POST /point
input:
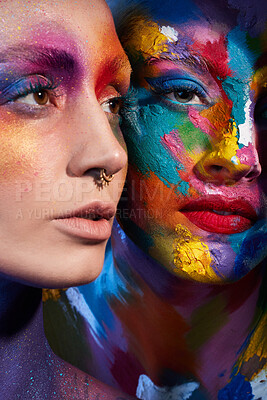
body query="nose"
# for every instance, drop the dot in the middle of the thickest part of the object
(98, 142)
(225, 163)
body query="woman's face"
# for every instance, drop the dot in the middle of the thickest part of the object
(193, 201)
(62, 69)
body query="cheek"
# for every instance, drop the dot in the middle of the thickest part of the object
(158, 141)
(115, 127)
(19, 151)
(32, 150)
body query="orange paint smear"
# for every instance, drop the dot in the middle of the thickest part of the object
(149, 189)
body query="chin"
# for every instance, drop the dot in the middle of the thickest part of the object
(58, 269)
(77, 271)
(213, 259)
(236, 255)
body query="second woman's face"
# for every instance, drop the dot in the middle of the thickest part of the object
(193, 200)
(62, 70)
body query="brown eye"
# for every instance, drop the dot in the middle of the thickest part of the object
(112, 106)
(115, 105)
(41, 97)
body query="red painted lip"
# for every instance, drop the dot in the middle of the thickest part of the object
(92, 222)
(206, 214)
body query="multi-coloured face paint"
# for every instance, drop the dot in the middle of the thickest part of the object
(193, 203)
(60, 84)
(193, 160)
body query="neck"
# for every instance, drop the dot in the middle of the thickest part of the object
(22, 342)
(20, 309)
(199, 323)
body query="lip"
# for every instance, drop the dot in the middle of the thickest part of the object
(82, 223)
(205, 213)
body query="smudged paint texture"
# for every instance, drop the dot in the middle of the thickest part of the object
(190, 135)
(163, 312)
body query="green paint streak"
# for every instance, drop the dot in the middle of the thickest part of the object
(192, 136)
(206, 321)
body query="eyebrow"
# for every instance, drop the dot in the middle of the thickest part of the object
(39, 56)
(189, 60)
(116, 65)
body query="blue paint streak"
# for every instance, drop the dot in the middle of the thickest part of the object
(143, 129)
(173, 11)
(93, 294)
(241, 60)
(241, 57)
(237, 389)
(249, 253)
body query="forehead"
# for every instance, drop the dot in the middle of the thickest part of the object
(204, 19)
(196, 37)
(84, 29)
(250, 14)
(69, 24)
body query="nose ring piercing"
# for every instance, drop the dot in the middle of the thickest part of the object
(104, 178)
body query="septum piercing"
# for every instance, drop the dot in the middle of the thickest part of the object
(104, 178)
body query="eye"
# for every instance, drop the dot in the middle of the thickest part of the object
(113, 105)
(184, 96)
(40, 98)
(179, 91)
(34, 91)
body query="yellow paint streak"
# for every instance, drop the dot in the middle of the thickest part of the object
(224, 152)
(146, 39)
(228, 146)
(225, 130)
(259, 81)
(257, 347)
(192, 256)
(52, 294)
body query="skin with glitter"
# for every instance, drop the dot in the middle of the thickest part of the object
(62, 75)
(48, 148)
(183, 296)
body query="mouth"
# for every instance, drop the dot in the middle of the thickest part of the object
(220, 215)
(92, 222)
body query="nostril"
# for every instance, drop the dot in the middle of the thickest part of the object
(215, 168)
(250, 176)
(217, 171)
(253, 172)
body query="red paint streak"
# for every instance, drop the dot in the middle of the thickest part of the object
(216, 55)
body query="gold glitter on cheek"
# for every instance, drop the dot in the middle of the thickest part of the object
(192, 256)
(19, 150)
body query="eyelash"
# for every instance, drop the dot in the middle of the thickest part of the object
(126, 102)
(164, 87)
(129, 101)
(38, 83)
(26, 86)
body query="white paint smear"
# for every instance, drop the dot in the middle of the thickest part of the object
(170, 33)
(246, 129)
